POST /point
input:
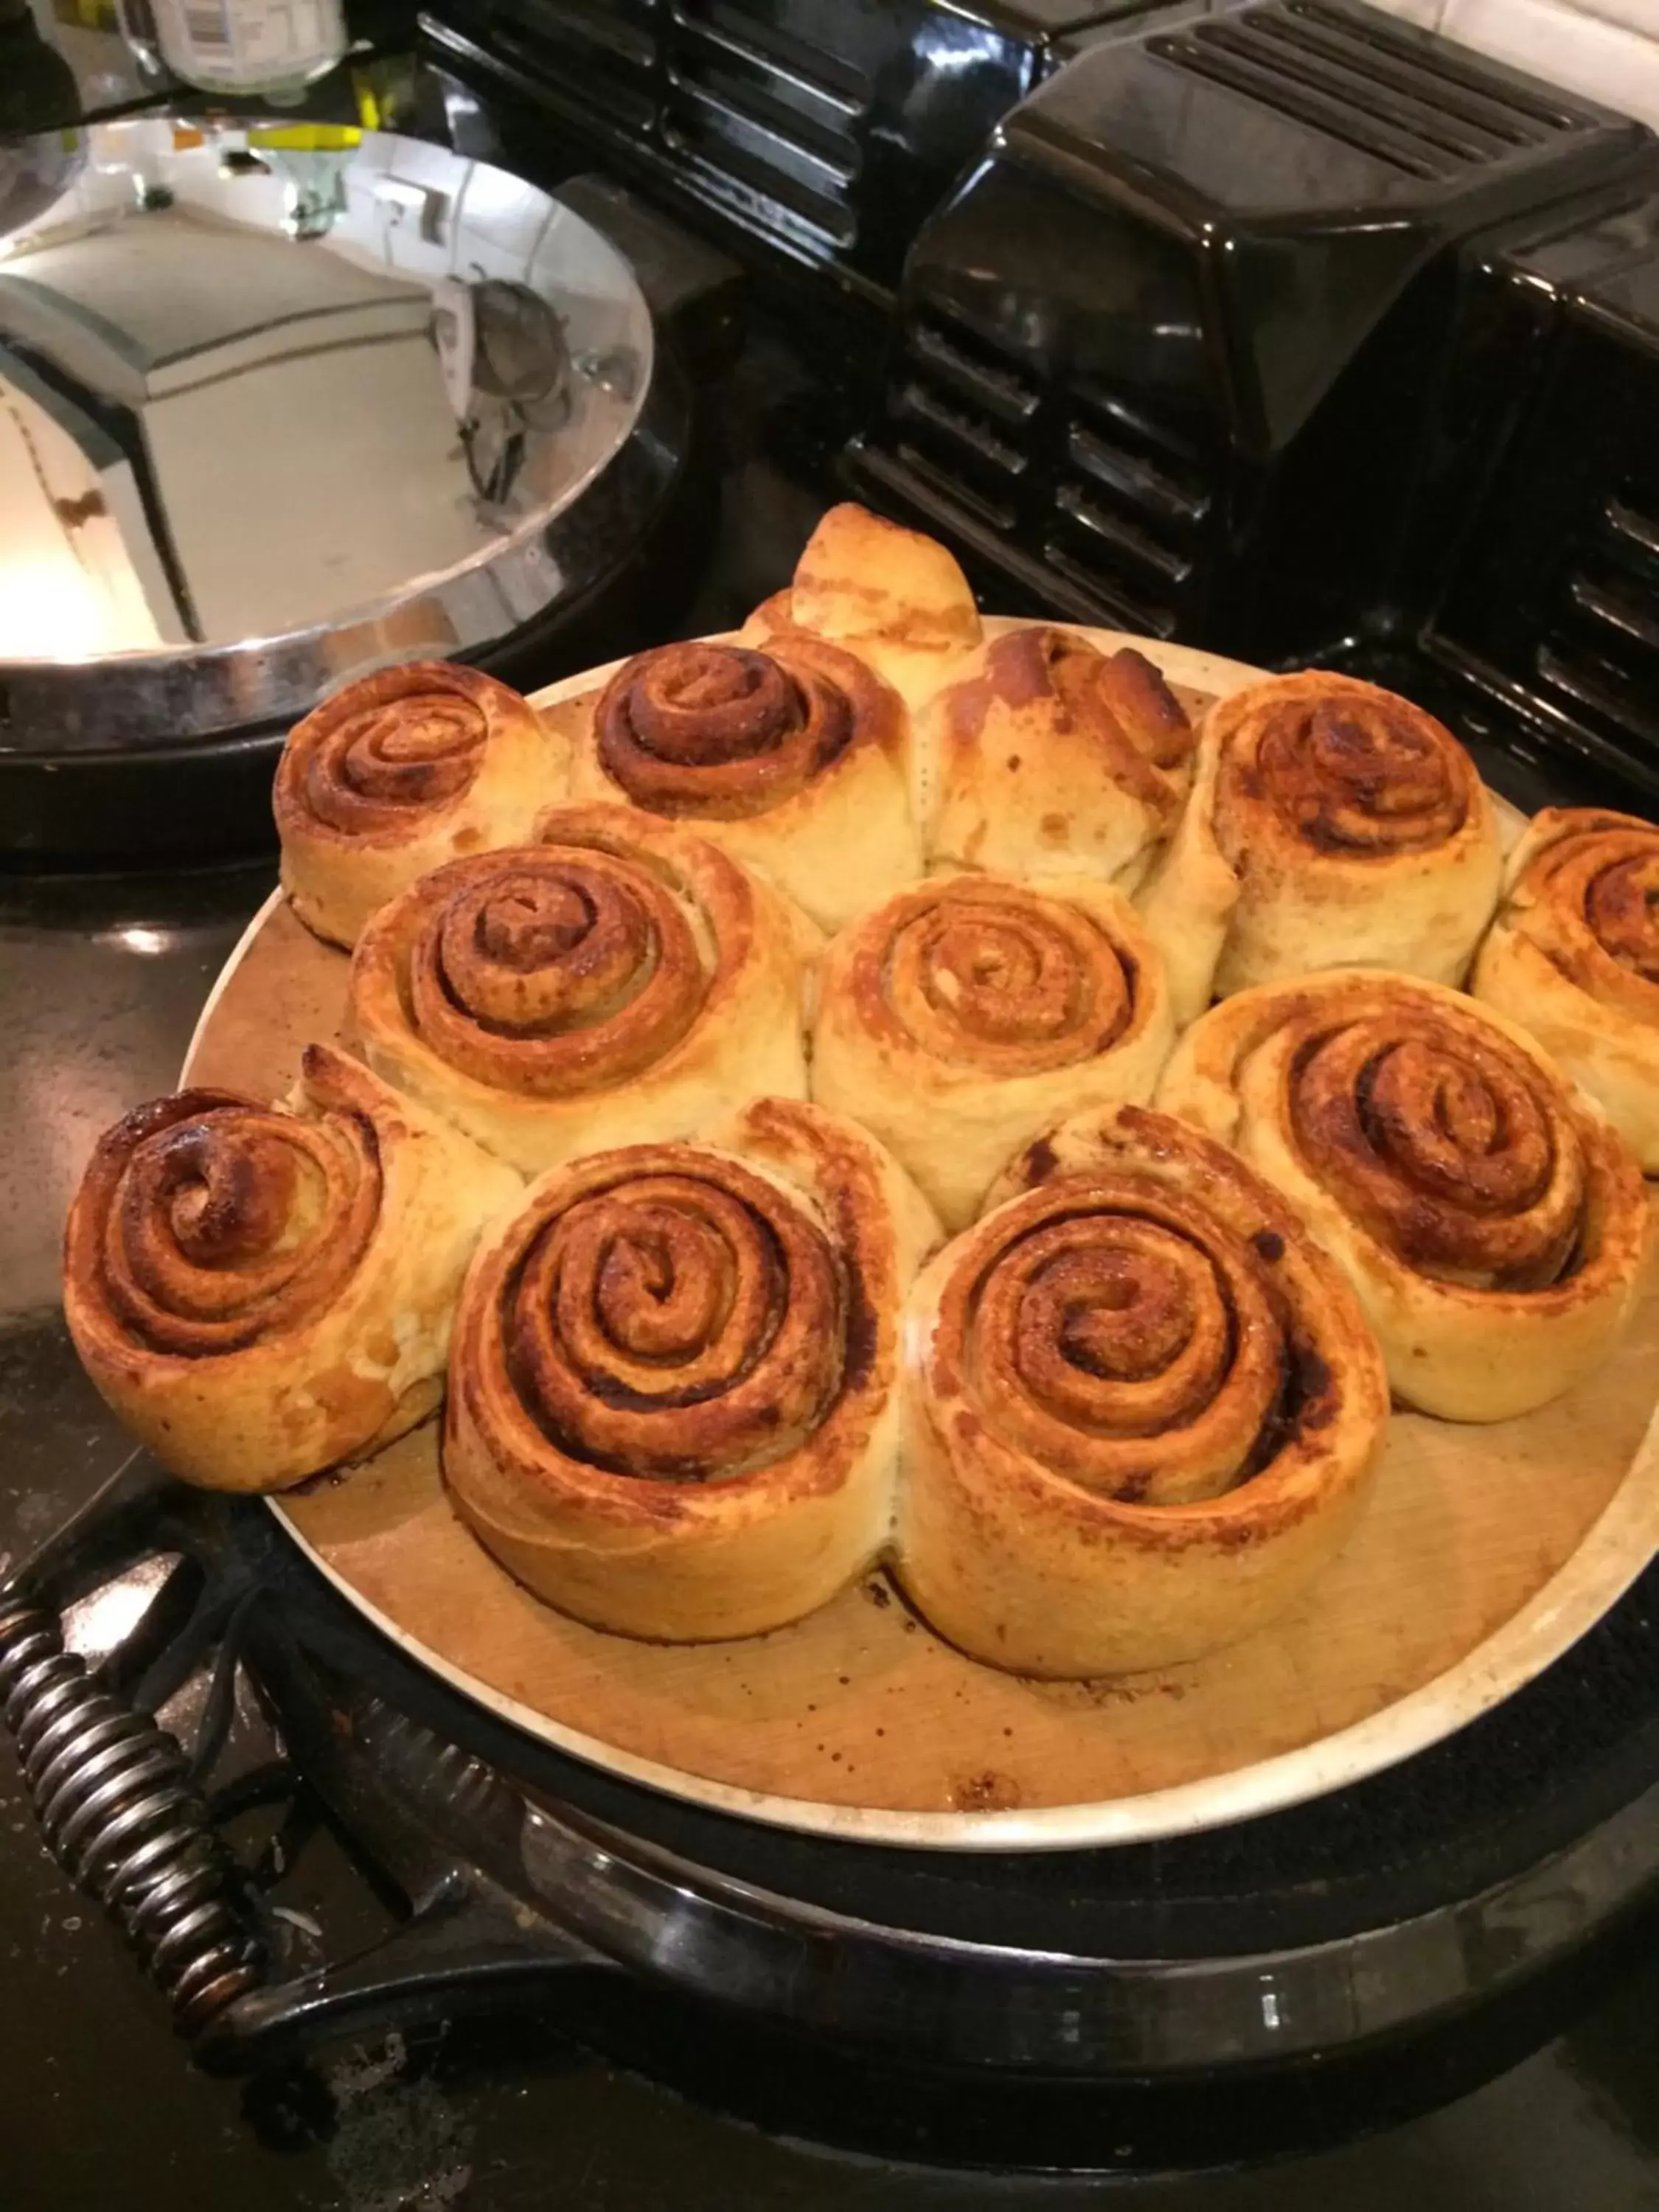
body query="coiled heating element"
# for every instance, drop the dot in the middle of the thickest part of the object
(120, 1814)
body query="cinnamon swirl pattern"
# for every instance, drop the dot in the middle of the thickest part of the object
(1046, 757)
(896, 598)
(260, 1292)
(620, 980)
(673, 1410)
(1573, 956)
(1140, 1407)
(958, 1019)
(1491, 1221)
(398, 773)
(1330, 822)
(793, 759)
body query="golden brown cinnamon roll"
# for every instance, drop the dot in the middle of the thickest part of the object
(673, 1374)
(620, 980)
(1574, 958)
(1330, 822)
(259, 1290)
(896, 598)
(961, 1016)
(1140, 1407)
(1492, 1222)
(398, 773)
(1046, 757)
(793, 759)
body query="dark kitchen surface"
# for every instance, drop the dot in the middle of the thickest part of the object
(100, 979)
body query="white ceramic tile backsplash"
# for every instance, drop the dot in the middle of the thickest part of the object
(1638, 15)
(1608, 49)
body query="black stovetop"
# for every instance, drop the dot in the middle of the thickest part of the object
(99, 982)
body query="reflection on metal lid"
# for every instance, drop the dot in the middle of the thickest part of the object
(257, 382)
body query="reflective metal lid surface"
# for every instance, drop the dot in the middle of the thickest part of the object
(279, 402)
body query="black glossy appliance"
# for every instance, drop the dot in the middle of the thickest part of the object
(1542, 521)
(1167, 358)
(1284, 328)
(819, 131)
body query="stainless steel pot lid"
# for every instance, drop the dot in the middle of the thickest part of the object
(279, 403)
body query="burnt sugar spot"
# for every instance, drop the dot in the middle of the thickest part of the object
(1041, 1161)
(988, 1792)
(1269, 1245)
(1313, 1374)
(863, 1329)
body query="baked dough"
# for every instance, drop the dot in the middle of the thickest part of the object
(397, 773)
(1493, 1221)
(1331, 822)
(260, 1292)
(674, 1410)
(1573, 956)
(896, 598)
(620, 980)
(1046, 757)
(794, 759)
(956, 1019)
(1140, 1407)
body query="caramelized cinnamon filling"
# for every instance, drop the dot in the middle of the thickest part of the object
(1001, 978)
(551, 970)
(685, 1326)
(213, 1222)
(1125, 1340)
(720, 733)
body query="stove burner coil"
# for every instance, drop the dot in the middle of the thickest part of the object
(112, 1791)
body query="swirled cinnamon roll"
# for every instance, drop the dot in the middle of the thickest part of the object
(1330, 822)
(961, 1016)
(1046, 757)
(792, 759)
(673, 1408)
(619, 980)
(1491, 1221)
(896, 598)
(259, 1291)
(1140, 1407)
(1574, 958)
(398, 773)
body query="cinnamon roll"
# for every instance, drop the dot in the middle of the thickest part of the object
(962, 1015)
(672, 1409)
(793, 759)
(1046, 757)
(1491, 1221)
(896, 598)
(619, 980)
(398, 773)
(259, 1291)
(1573, 956)
(1140, 1407)
(1330, 822)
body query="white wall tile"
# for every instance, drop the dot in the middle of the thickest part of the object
(1565, 45)
(1639, 15)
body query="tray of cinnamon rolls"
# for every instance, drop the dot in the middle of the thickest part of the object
(925, 1227)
